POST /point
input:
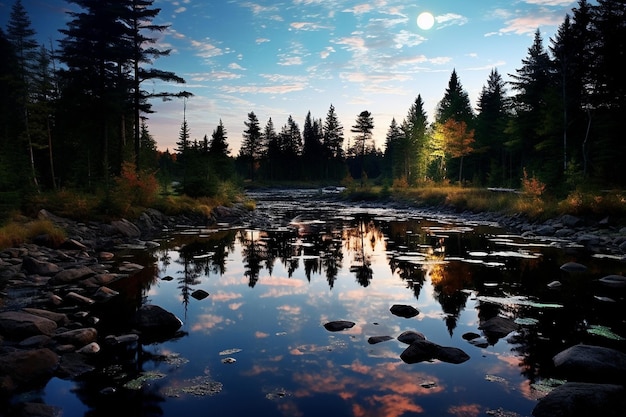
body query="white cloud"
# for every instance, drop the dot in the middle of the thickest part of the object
(206, 49)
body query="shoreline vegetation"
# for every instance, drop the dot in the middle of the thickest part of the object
(21, 225)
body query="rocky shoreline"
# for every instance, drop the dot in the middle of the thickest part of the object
(55, 303)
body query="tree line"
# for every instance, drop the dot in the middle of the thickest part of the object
(73, 114)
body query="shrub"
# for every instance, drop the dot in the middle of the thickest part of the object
(18, 232)
(134, 188)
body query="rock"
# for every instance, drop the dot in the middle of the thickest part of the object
(410, 336)
(78, 337)
(497, 327)
(79, 298)
(59, 318)
(573, 267)
(405, 311)
(378, 339)
(424, 350)
(571, 221)
(153, 321)
(451, 354)
(545, 230)
(70, 275)
(89, 349)
(35, 410)
(72, 244)
(575, 399)
(125, 228)
(200, 294)
(20, 325)
(586, 363)
(38, 267)
(338, 325)
(419, 351)
(74, 365)
(26, 368)
(613, 281)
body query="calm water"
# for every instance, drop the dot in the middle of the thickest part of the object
(256, 344)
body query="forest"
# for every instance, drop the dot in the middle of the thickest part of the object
(74, 115)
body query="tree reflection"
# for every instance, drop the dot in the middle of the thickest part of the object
(361, 240)
(254, 252)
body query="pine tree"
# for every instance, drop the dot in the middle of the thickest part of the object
(363, 130)
(534, 84)
(494, 113)
(251, 149)
(455, 103)
(139, 17)
(218, 145)
(333, 135)
(413, 149)
(21, 35)
(393, 151)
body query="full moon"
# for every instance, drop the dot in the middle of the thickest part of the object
(425, 21)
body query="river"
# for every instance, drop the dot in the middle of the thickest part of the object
(254, 301)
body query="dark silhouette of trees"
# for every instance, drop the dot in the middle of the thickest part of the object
(492, 163)
(71, 123)
(534, 84)
(363, 129)
(251, 148)
(21, 36)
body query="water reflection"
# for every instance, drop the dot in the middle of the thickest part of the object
(272, 289)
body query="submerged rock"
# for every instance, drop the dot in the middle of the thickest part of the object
(576, 399)
(424, 350)
(155, 322)
(338, 325)
(26, 368)
(405, 311)
(585, 363)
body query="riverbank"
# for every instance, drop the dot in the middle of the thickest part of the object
(55, 297)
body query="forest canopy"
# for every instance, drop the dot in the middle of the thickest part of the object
(75, 114)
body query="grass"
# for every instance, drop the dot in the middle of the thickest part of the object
(594, 204)
(22, 230)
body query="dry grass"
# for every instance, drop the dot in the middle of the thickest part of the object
(19, 231)
(533, 205)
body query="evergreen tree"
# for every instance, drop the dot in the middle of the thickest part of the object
(533, 130)
(251, 149)
(272, 150)
(455, 103)
(291, 148)
(95, 84)
(41, 108)
(333, 134)
(21, 35)
(333, 145)
(138, 17)
(393, 151)
(218, 145)
(363, 130)
(312, 150)
(494, 112)
(605, 146)
(413, 148)
(13, 156)
(219, 153)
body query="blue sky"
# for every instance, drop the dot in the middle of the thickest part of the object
(281, 58)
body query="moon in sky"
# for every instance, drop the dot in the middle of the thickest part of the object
(425, 21)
